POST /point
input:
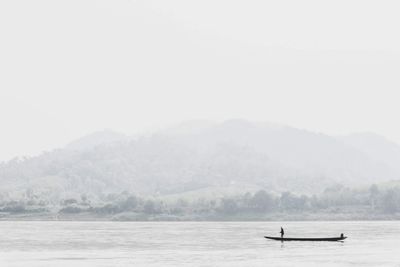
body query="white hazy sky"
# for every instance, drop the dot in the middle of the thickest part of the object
(68, 68)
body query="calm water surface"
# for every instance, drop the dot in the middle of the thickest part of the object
(196, 244)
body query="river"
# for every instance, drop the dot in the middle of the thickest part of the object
(63, 243)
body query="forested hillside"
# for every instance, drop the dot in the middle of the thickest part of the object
(200, 159)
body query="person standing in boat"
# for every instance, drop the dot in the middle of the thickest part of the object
(282, 232)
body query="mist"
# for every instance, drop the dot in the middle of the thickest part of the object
(70, 69)
(199, 133)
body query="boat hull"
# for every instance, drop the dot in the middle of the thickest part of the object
(306, 239)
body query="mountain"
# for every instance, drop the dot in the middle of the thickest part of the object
(235, 155)
(377, 147)
(96, 139)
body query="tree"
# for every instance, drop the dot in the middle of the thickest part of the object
(130, 203)
(391, 201)
(373, 195)
(290, 201)
(108, 209)
(229, 206)
(71, 209)
(149, 207)
(262, 201)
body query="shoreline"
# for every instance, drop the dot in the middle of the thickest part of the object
(134, 217)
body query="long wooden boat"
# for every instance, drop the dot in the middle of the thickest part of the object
(340, 238)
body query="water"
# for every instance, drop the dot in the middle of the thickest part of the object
(196, 244)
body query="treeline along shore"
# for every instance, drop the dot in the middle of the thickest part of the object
(334, 203)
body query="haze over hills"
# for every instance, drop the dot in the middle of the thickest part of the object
(93, 140)
(200, 157)
(376, 147)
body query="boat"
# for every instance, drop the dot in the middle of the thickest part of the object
(340, 238)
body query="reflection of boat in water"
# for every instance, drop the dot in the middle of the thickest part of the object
(340, 238)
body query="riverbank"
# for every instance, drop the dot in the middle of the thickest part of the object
(132, 216)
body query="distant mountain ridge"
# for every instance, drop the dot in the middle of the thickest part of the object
(99, 138)
(201, 156)
(376, 147)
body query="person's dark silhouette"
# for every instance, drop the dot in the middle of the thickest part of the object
(282, 232)
(341, 235)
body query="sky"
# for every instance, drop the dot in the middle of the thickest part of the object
(69, 68)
